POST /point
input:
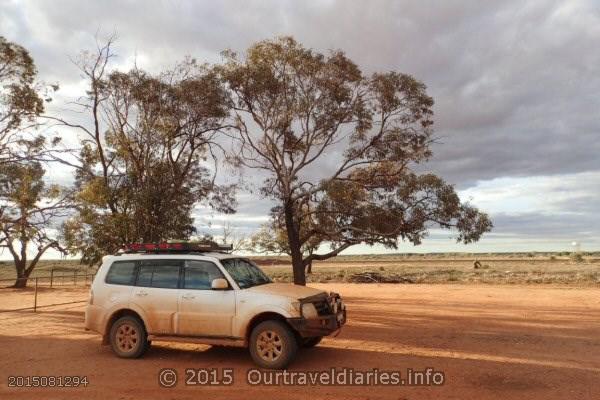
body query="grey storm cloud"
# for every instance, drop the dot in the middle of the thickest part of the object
(515, 83)
(566, 227)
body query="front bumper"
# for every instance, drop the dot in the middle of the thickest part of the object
(323, 325)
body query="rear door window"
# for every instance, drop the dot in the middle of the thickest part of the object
(144, 277)
(159, 273)
(121, 273)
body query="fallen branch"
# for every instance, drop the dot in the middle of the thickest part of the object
(376, 277)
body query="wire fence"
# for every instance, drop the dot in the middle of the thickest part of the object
(55, 279)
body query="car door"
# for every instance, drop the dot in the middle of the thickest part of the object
(156, 293)
(202, 310)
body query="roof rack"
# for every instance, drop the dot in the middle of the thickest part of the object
(175, 247)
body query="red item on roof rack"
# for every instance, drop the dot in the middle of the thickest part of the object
(166, 247)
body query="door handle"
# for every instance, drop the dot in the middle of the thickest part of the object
(188, 296)
(141, 294)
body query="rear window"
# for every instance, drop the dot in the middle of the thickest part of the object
(121, 273)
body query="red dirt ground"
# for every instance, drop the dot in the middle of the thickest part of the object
(491, 342)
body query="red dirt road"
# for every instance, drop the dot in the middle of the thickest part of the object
(491, 342)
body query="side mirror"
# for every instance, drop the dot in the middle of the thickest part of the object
(219, 284)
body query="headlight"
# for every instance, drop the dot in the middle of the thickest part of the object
(309, 311)
(296, 306)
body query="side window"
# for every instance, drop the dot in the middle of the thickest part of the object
(144, 277)
(200, 274)
(121, 273)
(166, 275)
(159, 273)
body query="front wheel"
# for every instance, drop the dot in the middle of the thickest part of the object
(128, 337)
(273, 345)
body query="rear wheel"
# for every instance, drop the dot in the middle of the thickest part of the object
(128, 337)
(311, 341)
(273, 345)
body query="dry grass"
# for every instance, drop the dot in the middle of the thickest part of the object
(504, 268)
(496, 269)
(60, 267)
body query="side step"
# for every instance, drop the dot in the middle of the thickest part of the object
(215, 341)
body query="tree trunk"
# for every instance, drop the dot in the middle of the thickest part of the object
(295, 246)
(20, 283)
(22, 276)
(299, 276)
(309, 268)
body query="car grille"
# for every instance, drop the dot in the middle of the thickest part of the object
(322, 307)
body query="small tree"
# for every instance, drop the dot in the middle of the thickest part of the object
(29, 212)
(338, 149)
(272, 238)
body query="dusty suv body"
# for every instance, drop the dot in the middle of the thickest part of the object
(209, 298)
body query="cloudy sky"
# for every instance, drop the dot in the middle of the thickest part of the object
(516, 86)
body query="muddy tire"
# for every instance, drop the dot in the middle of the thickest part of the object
(273, 345)
(128, 338)
(311, 341)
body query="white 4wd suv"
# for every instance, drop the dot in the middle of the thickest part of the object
(210, 298)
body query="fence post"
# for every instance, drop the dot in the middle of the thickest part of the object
(35, 295)
(51, 276)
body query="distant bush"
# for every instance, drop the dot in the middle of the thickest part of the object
(453, 276)
(576, 257)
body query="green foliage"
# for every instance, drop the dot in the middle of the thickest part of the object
(20, 104)
(19, 100)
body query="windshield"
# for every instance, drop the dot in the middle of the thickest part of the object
(245, 273)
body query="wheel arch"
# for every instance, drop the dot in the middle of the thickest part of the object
(261, 317)
(123, 312)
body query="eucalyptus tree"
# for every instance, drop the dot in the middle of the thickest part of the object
(30, 209)
(147, 154)
(338, 149)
